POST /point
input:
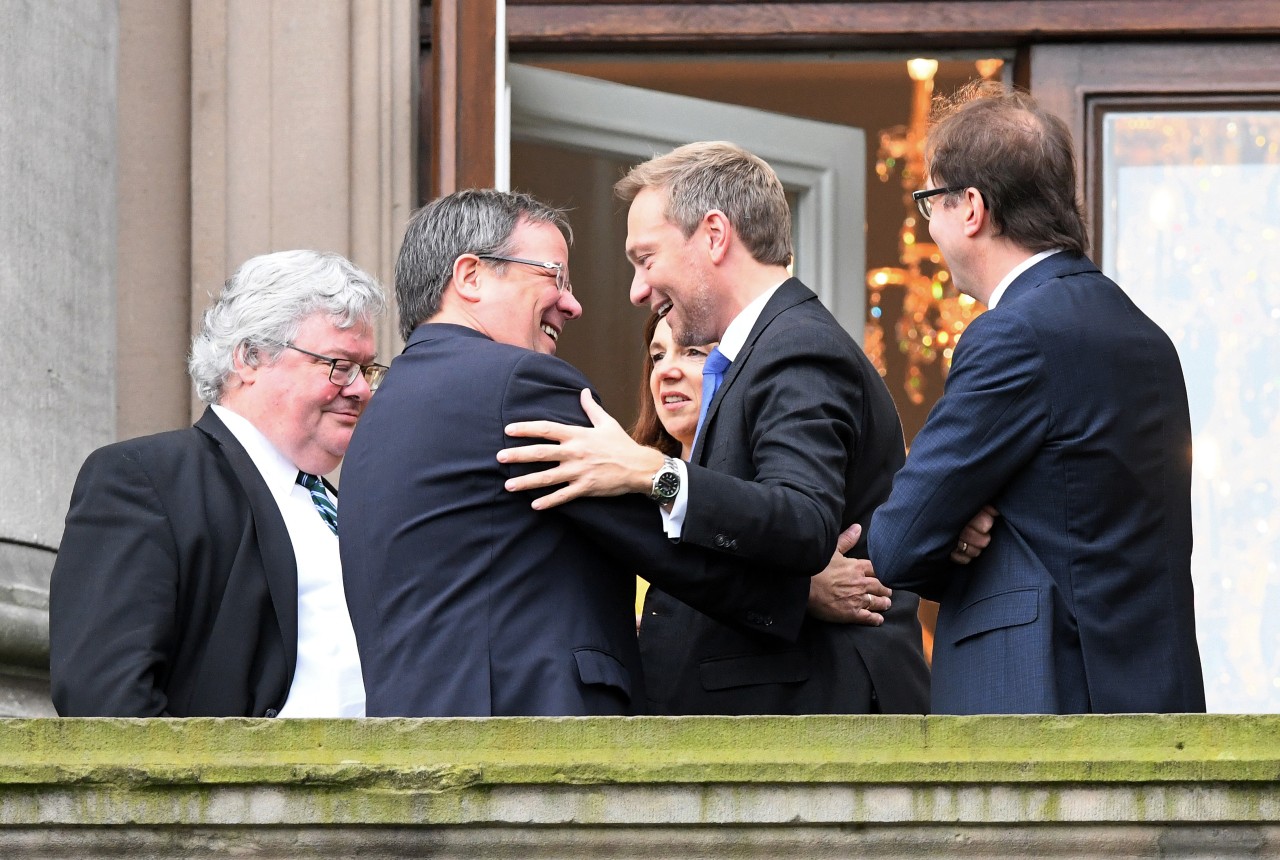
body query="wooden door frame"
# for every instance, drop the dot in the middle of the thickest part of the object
(458, 127)
(1081, 82)
(457, 134)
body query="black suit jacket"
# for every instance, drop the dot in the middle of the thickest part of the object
(801, 440)
(175, 590)
(465, 601)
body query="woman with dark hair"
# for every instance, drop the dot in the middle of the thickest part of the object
(670, 391)
(670, 400)
(670, 396)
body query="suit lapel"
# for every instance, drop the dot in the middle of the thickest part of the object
(279, 563)
(790, 294)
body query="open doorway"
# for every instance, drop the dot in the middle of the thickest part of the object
(572, 137)
(873, 94)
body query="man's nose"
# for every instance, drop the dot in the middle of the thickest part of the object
(569, 305)
(358, 388)
(639, 290)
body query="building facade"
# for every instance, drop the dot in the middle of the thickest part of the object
(152, 145)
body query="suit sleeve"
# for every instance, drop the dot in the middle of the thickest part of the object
(629, 528)
(989, 423)
(802, 396)
(113, 593)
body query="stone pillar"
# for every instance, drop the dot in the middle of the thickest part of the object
(57, 300)
(153, 228)
(132, 190)
(302, 134)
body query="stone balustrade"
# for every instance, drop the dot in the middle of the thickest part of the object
(748, 787)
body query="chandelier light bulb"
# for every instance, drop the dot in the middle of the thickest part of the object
(921, 69)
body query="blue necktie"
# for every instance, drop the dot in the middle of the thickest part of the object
(712, 376)
(320, 498)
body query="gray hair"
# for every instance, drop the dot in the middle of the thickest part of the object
(472, 221)
(263, 304)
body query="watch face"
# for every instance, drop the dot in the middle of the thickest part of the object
(667, 485)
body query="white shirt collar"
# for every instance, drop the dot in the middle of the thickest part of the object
(1008, 279)
(735, 336)
(327, 681)
(276, 470)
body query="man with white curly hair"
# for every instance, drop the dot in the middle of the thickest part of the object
(199, 572)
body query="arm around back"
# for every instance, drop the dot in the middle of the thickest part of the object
(628, 528)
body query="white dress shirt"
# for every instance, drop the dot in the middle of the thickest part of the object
(735, 338)
(327, 681)
(998, 292)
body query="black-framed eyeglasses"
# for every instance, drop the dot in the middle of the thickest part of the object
(924, 198)
(562, 274)
(343, 371)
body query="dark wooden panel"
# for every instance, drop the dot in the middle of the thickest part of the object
(464, 82)
(876, 25)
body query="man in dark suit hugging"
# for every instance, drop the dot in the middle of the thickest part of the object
(466, 601)
(800, 439)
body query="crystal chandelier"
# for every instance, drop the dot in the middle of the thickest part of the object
(933, 313)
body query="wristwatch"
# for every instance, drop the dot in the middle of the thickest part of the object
(666, 482)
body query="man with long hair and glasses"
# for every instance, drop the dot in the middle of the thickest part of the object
(466, 601)
(1065, 415)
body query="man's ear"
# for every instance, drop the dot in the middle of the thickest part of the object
(976, 214)
(246, 362)
(718, 231)
(466, 278)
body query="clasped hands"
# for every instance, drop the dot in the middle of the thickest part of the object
(848, 592)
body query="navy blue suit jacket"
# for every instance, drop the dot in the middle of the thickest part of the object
(801, 440)
(465, 601)
(1066, 410)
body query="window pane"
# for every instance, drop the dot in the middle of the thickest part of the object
(1191, 230)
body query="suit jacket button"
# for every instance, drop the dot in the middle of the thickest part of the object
(271, 712)
(721, 541)
(733, 544)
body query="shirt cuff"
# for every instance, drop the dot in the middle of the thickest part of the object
(673, 520)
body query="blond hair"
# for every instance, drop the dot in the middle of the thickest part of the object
(700, 177)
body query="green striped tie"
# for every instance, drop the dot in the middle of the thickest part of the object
(327, 511)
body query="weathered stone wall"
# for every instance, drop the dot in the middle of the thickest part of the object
(1152, 786)
(57, 300)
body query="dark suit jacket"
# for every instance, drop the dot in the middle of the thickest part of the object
(1065, 409)
(175, 590)
(465, 601)
(801, 440)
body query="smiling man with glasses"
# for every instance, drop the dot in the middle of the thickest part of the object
(199, 572)
(466, 601)
(343, 372)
